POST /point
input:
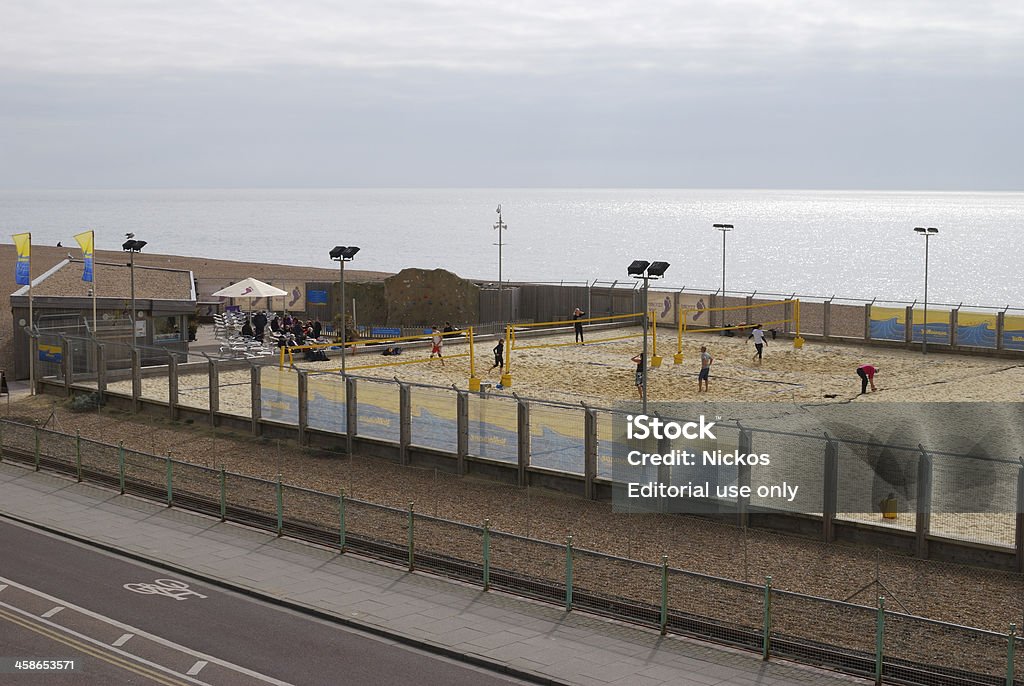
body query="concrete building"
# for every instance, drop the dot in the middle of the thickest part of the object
(62, 303)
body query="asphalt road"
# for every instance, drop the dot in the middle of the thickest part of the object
(230, 638)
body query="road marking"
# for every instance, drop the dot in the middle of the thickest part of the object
(133, 663)
(121, 641)
(50, 613)
(152, 637)
(197, 667)
(3, 586)
(168, 587)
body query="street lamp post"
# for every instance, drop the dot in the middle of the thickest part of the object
(343, 254)
(927, 233)
(132, 246)
(724, 228)
(500, 226)
(642, 269)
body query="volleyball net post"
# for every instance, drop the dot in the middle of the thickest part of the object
(474, 382)
(678, 357)
(506, 377)
(655, 359)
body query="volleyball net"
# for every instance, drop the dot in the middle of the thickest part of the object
(391, 347)
(770, 315)
(520, 337)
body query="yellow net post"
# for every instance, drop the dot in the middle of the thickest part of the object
(506, 378)
(474, 383)
(798, 341)
(678, 357)
(655, 360)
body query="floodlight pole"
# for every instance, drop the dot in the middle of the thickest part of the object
(724, 228)
(344, 321)
(131, 270)
(927, 233)
(500, 226)
(643, 357)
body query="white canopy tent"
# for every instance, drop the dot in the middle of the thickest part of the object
(250, 288)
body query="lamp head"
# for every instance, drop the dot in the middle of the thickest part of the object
(342, 252)
(637, 268)
(657, 269)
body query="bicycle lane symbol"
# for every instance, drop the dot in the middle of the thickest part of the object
(178, 590)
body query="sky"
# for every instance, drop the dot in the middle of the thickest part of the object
(830, 94)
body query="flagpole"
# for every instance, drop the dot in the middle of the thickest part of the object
(93, 283)
(33, 351)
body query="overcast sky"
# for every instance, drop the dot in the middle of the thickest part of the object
(859, 94)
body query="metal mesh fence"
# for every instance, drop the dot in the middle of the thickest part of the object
(869, 475)
(82, 363)
(252, 501)
(311, 515)
(380, 532)
(821, 632)
(50, 353)
(325, 400)
(99, 460)
(145, 475)
(716, 476)
(617, 587)
(609, 443)
(18, 437)
(796, 462)
(378, 410)
(117, 358)
(155, 384)
(449, 548)
(493, 428)
(728, 612)
(234, 389)
(279, 394)
(528, 567)
(974, 499)
(58, 447)
(434, 418)
(927, 652)
(194, 385)
(557, 437)
(1018, 658)
(196, 487)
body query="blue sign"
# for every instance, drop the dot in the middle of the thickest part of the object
(316, 297)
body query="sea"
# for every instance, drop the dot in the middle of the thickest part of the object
(847, 244)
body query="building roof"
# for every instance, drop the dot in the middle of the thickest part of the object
(112, 281)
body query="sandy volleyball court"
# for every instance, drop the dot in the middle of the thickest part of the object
(601, 373)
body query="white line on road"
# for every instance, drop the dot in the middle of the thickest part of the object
(50, 613)
(197, 667)
(124, 639)
(3, 586)
(138, 632)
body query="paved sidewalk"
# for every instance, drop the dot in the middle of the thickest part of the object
(509, 633)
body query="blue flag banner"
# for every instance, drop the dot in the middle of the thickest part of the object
(23, 268)
(85, 241)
